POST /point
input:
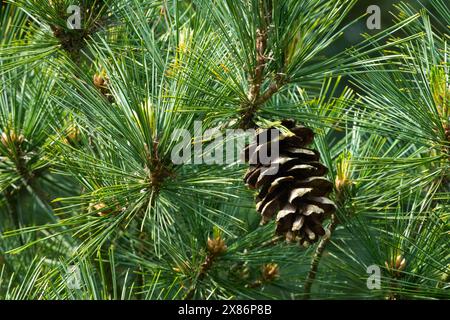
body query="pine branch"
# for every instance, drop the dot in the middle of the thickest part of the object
(317, 257)
(204, 267)
(215, 247)
(255, 98)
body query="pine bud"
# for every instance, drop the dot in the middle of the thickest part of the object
(99, 81)
(397, 266)
(72, 135)
(343, 182)
(5, 139)
(101, 209)
(216, 246)
(270, 271)
(9, 138)
(340, 184)
(400, 263)
(57, 31)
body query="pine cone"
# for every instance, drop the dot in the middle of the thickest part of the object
(292, 186)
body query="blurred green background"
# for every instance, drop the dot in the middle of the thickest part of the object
(353, 34)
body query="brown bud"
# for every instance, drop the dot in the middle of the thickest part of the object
(57, 30)
(270, 271)
(72, 134)
(244, 273)
(10, 137)
(99, 81)
(342, 183)
(216, 246)
(397, 266)
(102, 209)
(5, 139)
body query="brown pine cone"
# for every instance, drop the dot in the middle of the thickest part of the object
(292, 185)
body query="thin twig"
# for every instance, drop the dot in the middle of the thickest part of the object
(215, 248)
(317, 256)
(255, 98)
(205, 266)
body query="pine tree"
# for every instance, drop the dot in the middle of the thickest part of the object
(93, 205)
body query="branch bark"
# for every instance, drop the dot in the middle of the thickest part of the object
(255, 98)
(317, 257)
(204, 267)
